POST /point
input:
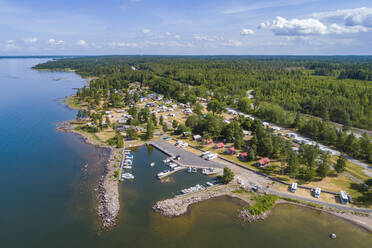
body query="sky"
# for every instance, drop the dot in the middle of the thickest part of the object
(186, 27)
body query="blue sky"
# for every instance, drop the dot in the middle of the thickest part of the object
(94, 27)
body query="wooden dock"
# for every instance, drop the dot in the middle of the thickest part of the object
(188, 159)
(179, 168)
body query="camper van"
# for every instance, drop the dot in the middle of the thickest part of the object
(293, 187)
(317, 192)
(343, 197)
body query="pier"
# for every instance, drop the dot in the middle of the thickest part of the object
(172, 171)
(188, 159)
(121, 164)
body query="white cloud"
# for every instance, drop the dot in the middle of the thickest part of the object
(350, 17)
(136, 1)
(177, 36)
(282, 26)
(232, 43)
(167, 33)
(213, 38)
(146, 31)
(311, 26)
(81, 43)
(246, 31)
(10, 41)
(55, 42)
(123, 44)
(30, 40)
(337, 29)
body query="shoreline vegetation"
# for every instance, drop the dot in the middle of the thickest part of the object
(259, 207)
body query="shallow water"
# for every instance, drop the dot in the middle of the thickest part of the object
(47, 200)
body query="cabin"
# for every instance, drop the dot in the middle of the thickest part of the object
(293, 187)
(343, 197)
(219, 145)
(230, 150)
(263, 162)
(197, 137)
(207, 141)
(243, 156)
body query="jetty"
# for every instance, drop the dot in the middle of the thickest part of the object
(161, 175)
(186, 158)
(124, 154)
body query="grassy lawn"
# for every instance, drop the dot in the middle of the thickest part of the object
(73, 103)
(354, 170)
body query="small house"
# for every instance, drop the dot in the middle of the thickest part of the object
(243, 156)
(263, 162)
(196, 137)
(231, 150)
(219, 145)
(207, 141)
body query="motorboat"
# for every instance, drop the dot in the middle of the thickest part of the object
(127, 176)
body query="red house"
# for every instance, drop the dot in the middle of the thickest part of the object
(231, 150)
(243, 156)
(219, 145)
(263, 162)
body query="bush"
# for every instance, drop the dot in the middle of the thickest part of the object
(262, 204)
(228, 176)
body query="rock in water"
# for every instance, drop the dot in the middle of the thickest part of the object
(332, 236)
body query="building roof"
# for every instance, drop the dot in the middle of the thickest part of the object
(232, 149)
(264, 160)
(220, 145)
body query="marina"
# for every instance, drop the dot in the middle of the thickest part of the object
(126, 163)
(185, 158)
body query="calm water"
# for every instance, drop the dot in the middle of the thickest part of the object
(48, 201)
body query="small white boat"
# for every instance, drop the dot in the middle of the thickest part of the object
(163, 173)
(127, 167)
(128, 162)
(166, 160)
(194, 170)
(209, 184)
(127, 176)
(152, 164)
(173, 165)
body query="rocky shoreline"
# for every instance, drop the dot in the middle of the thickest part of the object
(107, 190)
(246, 215)
(108, 194)
(179, 205)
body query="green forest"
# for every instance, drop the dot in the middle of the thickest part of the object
(333, 88)
(287, 90)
